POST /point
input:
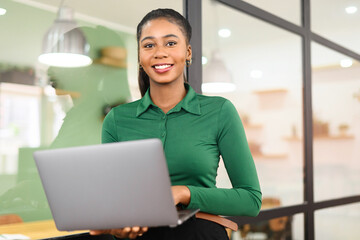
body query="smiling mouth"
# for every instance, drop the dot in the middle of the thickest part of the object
(162, 66)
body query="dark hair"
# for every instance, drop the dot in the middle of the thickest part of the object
(173, 17)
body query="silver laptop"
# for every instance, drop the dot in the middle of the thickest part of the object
(109, 186)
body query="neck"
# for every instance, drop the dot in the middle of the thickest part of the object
(167, 96)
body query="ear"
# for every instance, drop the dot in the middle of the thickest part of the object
(188, 52)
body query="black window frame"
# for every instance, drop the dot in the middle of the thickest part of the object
(192, 11)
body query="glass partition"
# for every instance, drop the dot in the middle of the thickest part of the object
(289, 10)
(264, 64)
(338, 222)
(336, 124)
(338, 21)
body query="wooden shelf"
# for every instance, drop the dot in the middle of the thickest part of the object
(333, 67)
(270, 91)
(293, 139)
(335, 137)
(270, 99)
(252, 126)
(269, 156)
(324, 137)
(64, 92)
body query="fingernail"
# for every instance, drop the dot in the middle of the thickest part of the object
(136, 229)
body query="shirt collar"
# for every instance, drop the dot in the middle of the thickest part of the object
(190, 103)
(145, 103)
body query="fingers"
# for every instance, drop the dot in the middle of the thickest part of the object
(121, 233)
(127, 232)
(134, 232)
(99, 232)
(137, 231)
(144, 229)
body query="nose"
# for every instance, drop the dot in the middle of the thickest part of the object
(160, 52)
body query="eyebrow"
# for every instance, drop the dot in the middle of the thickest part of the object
(166, 36)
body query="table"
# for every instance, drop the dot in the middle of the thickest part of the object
(35, 230)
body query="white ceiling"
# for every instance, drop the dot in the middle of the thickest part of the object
(253, 45)
(256, 43)
(328, 18)
(125, 14)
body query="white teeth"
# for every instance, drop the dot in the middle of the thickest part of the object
(162, 66)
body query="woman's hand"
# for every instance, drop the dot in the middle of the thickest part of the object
(181, 194)
(127, 232)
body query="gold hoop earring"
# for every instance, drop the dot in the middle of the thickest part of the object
(188, 62)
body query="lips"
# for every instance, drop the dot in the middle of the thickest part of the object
(163, 67)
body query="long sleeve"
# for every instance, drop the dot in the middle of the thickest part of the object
(194, 133)
(245, 196)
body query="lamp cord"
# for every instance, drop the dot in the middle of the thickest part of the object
(61, 3)
(60, 6)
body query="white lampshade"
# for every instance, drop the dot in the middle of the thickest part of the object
(64, 44)
(217, 78)
(2, 11)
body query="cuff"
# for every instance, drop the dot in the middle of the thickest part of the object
(193, 198)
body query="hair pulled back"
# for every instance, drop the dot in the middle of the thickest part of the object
(171, 16)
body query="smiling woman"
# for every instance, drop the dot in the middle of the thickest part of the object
(194, 129)
(165, 37)
(163, 51)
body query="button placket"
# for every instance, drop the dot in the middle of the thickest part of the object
(163, 130)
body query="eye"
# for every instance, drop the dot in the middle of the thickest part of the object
(171, 43)
(148, 45)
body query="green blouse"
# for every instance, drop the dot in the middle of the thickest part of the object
(194, 134)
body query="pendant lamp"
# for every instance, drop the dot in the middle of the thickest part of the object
(217, 78)
(64, 44)
(2, 11)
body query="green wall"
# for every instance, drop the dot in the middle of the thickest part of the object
(22, 31)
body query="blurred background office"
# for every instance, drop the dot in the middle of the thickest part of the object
(290, 67)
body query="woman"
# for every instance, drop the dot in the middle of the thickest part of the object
(195, 131)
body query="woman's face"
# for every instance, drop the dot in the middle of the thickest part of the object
(163, 51)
